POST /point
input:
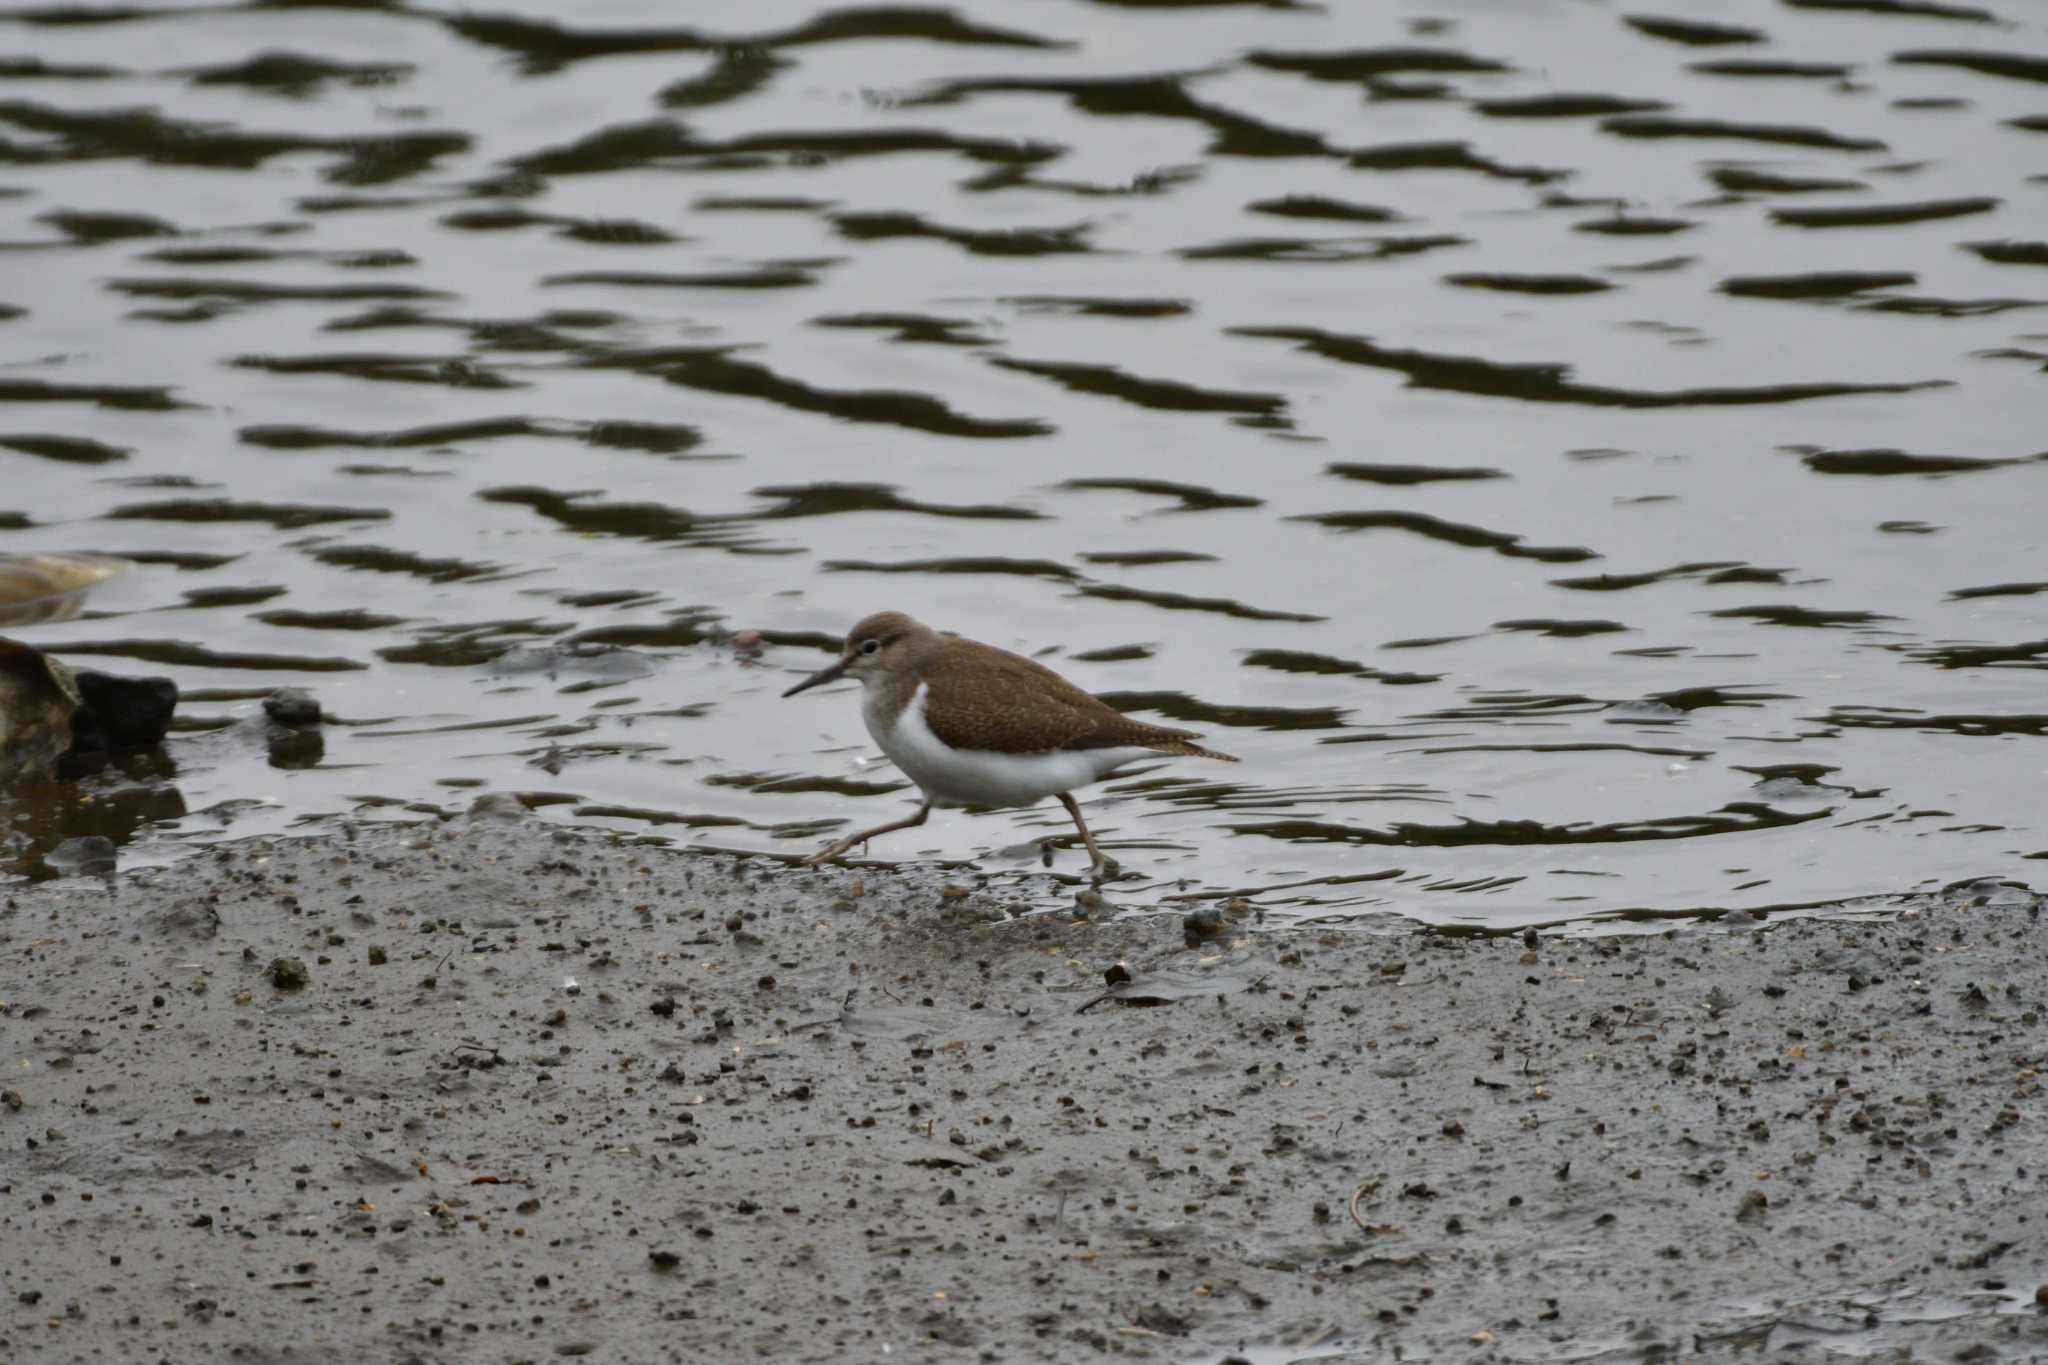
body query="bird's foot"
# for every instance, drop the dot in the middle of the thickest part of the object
(828, 853)
(1105, 869)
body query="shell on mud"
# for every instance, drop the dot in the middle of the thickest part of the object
(39, 588)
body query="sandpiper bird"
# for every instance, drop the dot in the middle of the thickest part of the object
(974, 725)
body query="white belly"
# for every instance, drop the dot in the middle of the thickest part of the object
(956, 777)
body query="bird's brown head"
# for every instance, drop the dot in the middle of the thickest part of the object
(882, 641)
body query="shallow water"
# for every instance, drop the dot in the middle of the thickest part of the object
(1581, 462)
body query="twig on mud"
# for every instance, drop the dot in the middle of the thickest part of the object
(1351, 1206)
(845, 1008)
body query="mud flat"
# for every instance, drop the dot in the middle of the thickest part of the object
(496, 1092)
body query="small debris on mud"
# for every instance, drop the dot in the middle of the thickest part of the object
(913, 1135)
(288, 973)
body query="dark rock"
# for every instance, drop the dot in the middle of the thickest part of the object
(116, 713)
(292, 706)
(288, 973)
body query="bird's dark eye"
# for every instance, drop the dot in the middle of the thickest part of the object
(870, 646)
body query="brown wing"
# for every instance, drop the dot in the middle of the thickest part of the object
(1006, 703)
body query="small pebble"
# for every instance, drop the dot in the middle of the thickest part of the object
(88, 855)
(292, 706)
(288, 973)
(497, 806)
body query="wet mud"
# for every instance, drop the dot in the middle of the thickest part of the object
(1283, 370)
(490, 1090)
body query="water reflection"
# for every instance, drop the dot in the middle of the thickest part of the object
(113, 803)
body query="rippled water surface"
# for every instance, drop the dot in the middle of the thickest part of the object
(1583, 459)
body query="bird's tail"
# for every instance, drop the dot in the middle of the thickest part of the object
(1189, 749)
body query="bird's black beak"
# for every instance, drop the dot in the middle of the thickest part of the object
(832, 673)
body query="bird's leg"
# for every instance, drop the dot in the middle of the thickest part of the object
(839, 846)
(1100, 866)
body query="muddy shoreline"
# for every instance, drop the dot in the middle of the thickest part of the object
(545, 1094)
